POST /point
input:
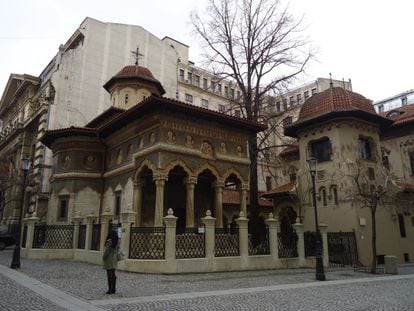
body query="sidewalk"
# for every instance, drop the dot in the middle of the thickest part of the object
(87, 282)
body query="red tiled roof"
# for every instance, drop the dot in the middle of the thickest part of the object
(135, 72)
(233, 197)
(335, 102)
(334, 99)
(291, 150)
(51, 135)
(405, 186)
(406, 115)
(286, 188)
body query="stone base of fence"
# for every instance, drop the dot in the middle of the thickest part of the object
(213, 261)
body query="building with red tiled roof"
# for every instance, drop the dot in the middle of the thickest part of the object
(350, 141)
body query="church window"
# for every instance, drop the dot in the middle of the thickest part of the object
(323, 196)
(63, 208)
(268, 183)
(117, 203)
(278, 106)
(321, 149)
(365, 148)
(287, 121)
(126, 98)
(188, 98)
(335, 195)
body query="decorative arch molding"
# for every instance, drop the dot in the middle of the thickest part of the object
(230, 171)
(178, 162)
(144, 163)
(207, 166)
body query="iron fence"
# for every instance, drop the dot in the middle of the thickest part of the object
(262, 246)
(287, 244)
(190, 244)
(310, 243)
(342, 249)
(96, 237)
(82, 237)
(147, 243)
(24, 236)
(53, 236)
(227, 242)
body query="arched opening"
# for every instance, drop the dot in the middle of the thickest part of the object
(148, 197)
(175, 195)
(287, 217)
(231, 200)
(204, 195)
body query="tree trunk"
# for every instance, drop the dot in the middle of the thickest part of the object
(374, 241)
(256, 224)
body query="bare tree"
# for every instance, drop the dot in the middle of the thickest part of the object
(373, 187)
(258, 45)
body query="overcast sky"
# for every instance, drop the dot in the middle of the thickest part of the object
(368, 41)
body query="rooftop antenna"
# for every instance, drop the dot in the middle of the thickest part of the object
(350, 84)
(137, 55)
(330, 80)
(343, 83)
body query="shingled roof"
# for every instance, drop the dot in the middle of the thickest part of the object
(335, 102)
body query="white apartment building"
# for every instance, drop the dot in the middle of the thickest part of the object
(396, 101)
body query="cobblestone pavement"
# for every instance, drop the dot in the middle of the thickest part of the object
(188, 292)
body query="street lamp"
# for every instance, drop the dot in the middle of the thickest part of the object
(320, 273)
(15, 264)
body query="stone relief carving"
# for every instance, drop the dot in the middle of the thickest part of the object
(206, 149)
(89, 162)
(239, 151)
(223, 148)
(189, 141)
(171, 136)
(152, 138)
(66, 162)
(119, 157)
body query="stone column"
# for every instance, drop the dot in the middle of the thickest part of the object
(272, 223)
(301, 243)
(159, 198)
(242, 222)
(77, 219)
(209, 224)
(31, 222)
(128, 217)
(243, 198)
(106, 218)
(170, 222)
(89, 222)
(138, 201)
(191, 181)
(218, 189)
(323, 228)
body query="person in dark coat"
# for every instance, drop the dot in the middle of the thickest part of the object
(110, 260)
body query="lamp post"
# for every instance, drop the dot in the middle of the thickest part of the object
(15, 264)
(320, 273)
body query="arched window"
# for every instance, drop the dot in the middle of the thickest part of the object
(126, 98)
(322, 193)
(335, 195)
(321, 149)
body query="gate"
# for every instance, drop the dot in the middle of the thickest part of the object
(342, 249)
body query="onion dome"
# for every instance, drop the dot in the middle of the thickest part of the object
(334, 102)
(136, 74)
